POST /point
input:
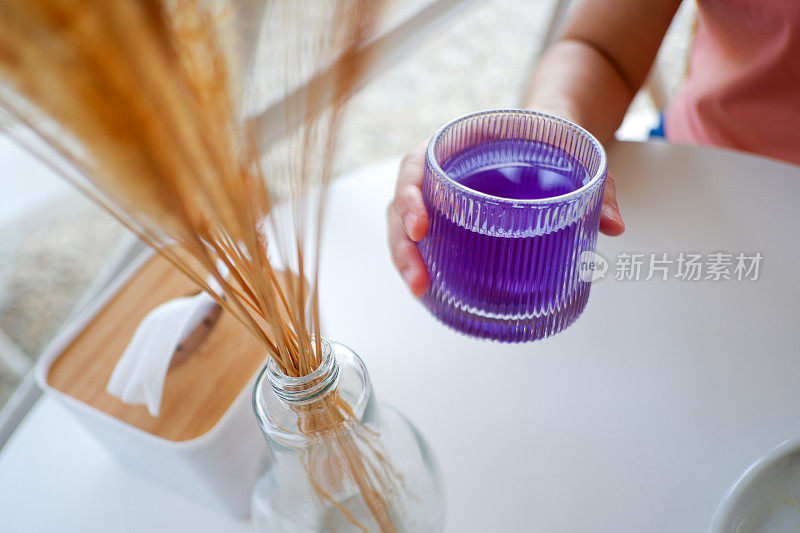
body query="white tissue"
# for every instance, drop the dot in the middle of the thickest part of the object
(139, 375)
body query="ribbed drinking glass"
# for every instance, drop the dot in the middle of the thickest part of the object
(514, 200)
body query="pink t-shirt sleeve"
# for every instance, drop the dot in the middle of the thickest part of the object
(743, 87)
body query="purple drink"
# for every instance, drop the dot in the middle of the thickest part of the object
(517, 169)
(514, 199)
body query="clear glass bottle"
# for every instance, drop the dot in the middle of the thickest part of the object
(341, 461)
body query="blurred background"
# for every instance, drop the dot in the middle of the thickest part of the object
(55, 246)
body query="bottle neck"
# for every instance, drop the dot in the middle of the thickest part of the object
(306, 389)
(287, 406)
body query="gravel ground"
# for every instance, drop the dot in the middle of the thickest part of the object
(46, 262)
(478, 60)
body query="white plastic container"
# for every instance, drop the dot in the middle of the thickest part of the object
(218, 468)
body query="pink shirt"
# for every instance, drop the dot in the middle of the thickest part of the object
(743, 88)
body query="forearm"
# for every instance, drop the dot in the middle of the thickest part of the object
(575, 81)
(591, 75)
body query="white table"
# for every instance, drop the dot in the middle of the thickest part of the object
(637, 418)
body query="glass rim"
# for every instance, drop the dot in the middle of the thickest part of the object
(430, 159)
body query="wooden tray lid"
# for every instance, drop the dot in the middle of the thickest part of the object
(197, 391)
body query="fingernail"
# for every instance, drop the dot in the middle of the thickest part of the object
(408, 275)
(612, 212)
(409, 221)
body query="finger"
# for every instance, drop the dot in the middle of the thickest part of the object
(412, 167)
(408, 202)
(406, 257)
(409, 207)
(611, 222)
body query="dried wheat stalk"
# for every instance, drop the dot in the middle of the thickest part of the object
(138, 103)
